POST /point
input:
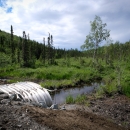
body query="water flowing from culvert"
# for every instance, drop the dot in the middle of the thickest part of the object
(60, 96)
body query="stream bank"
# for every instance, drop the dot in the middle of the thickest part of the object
(115, 109)
(104, 113)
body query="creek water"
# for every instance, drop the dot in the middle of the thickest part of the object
(60, 96)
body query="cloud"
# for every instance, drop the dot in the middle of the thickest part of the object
(68, 21)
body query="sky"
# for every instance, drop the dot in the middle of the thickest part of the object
(67, 20)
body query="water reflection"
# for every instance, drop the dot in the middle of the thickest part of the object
(60, 97)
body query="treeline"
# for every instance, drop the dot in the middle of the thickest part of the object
(110, 53)
(26, 52)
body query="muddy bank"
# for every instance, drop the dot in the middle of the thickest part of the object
(78, 83)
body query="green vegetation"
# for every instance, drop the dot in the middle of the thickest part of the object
(96, 36)
(70, 99)
(22, 59)
(80, 99)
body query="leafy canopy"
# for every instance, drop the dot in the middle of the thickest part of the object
(97, 34)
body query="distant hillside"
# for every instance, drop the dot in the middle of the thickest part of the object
(22, 50)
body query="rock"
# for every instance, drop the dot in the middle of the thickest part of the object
(13, 96)
(19, 97)
(19, 126)
(36, 104)
(2, 128)
(42, 104)
(5, 101)
(54, 106)
(1, 92)
(4, 96)
(63, 108)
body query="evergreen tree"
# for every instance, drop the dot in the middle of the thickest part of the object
(25, 51)
(12, 46)
(44, 51)
(52, 52)
(18, 50)
(49, 50)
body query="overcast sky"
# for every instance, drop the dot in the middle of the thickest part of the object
(67, 20)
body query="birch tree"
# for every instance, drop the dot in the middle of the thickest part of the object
(97, 34)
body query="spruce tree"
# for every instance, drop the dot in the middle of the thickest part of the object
(18, 50)
(48, 48)
(12, 46)
(25, 51)
(44, 49)
(52, 50)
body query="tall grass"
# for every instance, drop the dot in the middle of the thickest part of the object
(57, 83)
(47, 73)
(80, 99)
(126, 90)
(70, 99)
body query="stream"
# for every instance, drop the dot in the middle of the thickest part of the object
(60, 96)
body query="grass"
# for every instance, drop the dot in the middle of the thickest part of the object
(70, 99)
(51, 73)
(126, 89)
(56, 83)
(80, 99)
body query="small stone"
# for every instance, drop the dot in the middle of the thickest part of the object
(19, 126)
(5, 101)
(2, 128)
(1, 92)
(23, 115)
(26, 110)
(4, 96)
(54, 106)
(13, 96)
(42, 104)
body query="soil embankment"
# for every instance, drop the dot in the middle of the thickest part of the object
(18, 116)
(116, 109)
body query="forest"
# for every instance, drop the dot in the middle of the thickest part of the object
(24, 59)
